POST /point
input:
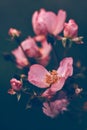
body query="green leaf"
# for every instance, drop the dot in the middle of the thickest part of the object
(18, 96)
(64, 42)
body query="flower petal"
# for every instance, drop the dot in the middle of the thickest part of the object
(66, 69)
(37, 75)
(34, 19)
(60, 22)
(21, 60)
(45, 53)
(50, 21)
(39, 26)
(30, 47)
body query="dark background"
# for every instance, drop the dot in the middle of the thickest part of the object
(18, 14)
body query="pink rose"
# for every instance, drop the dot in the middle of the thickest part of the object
(70, 29)
(48, 22)
(16, 84)
(53, 80)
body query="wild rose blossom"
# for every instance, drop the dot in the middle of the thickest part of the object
(53, 80)
(53, 108)
(14, 32)
(70, 29)
(45, 22)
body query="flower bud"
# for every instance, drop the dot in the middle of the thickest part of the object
(70, 29)
(16, 84)
(13, 32)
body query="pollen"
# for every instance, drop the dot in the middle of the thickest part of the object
(53, 77)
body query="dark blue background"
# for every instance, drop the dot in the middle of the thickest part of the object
(18, 14)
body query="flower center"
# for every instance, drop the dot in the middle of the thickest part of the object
(53, 77)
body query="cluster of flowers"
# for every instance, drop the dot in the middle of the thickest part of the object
(52, 93)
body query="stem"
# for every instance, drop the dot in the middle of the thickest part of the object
(51, 39)
(55, 54)
(65, 52)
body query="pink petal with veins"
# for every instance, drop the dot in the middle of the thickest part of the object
(37, 75)
(39, 26)
(66, 69)
(61, 16)
(50, 20)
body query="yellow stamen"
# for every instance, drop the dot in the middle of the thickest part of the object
(53, 77)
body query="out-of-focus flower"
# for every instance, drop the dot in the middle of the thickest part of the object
(45, 22)
(70, 29)
(78, 90)
(14, 32)
(45, 53)
(30, 48)
(53, 80)
(53, 108)
(78, 64)
(16, 84)
(21, 59)
(11, 91)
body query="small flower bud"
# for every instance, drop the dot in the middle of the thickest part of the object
(70, 29)
(14, 33)
(16, 84)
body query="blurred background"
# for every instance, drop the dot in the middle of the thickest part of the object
(18, 14)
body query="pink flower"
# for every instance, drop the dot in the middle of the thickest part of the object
(53, 108)
(45, 53)
(70, 29)
(30, 48)
(14, 32)
(53, 80)
(21, 59)
(40, 54)
(48, 22)
(16, 84)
